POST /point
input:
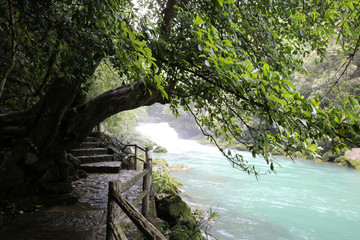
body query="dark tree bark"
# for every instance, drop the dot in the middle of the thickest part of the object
(33, 156)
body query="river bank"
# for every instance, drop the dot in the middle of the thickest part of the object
(347, 158)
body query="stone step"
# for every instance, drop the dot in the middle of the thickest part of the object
(102, 167)
(89, 151)
(96, 158)
(89, 144)
(94, 134)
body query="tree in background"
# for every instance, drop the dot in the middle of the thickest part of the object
(230, 60)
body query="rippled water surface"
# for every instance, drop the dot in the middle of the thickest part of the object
(305, 200)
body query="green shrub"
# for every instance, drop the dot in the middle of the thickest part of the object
(162, 179)
(160, 149)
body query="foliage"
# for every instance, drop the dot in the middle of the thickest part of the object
(160, 149)
(229, 63)
(240, 63)
(177, 213)
(323, 74)
(162, 179)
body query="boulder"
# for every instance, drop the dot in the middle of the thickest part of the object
(353, 154)
(173, 209)
(347, 162)
(160, 149)
(177, 214)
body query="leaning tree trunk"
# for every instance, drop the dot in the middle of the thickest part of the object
(35, 160)
(29, 157)
(33, 142)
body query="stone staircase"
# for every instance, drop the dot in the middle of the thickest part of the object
(95, 158)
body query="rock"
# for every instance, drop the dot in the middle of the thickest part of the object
(172, 209)
(27, 207)
(180, 168)
(163, 181)
(1, 220)
(343, 161)
(56, 187)
(353, 154)
(177, 214)
(81, 173)
(347, 162)
(31, 158)
(74, 161)
(160, 149)
(330, 157)
(65, 199)
(127, 163)
(157, 161)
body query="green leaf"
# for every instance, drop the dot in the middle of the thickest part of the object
(221, 2)
(266, 69)
(312, 148)
(275, 99)
(198, 20)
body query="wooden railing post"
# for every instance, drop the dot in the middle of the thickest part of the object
(116, 188)
(135, 159)
(147, 185)
(109, 212)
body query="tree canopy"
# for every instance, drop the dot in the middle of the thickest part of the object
(229, 63)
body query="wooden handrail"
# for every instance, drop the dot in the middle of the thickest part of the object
(116, 188)
(149, 231)
(135, 155)
(135, 145)
(132, 181)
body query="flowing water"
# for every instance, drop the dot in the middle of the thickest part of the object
(305, 200)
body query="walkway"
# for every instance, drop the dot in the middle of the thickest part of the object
(85, 220)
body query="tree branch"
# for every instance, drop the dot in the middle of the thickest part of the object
(80, 120)
(50, 65)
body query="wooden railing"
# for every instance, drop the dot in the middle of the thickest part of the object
(116, 188)
(136, 152)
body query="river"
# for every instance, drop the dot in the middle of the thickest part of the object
(304, 200)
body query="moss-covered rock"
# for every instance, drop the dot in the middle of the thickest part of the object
(177, 213)
(157, 161)
(181, 168)
(162, 179)
(348, 162)
(172, 208)
(181, 224)
(330, 156)
(160, 149)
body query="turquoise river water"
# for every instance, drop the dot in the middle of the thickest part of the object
(305, 200)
